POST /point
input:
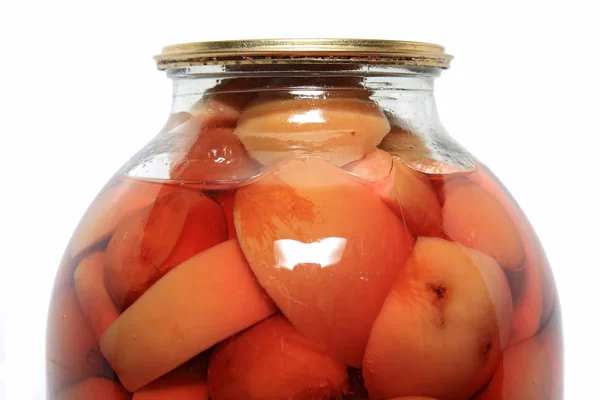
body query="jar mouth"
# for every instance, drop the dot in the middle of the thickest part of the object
(298, 51)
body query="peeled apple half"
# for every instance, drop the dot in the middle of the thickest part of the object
(442, 328)
(325, 248)
(341, 129)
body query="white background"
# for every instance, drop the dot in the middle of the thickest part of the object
(79, 94)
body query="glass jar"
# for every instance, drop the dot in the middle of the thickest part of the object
(303, 227)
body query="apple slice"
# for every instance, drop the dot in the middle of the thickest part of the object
(206, 299)
(221, 105)
(94, 300)
(180, 384)
(95, 388)
(429, 155)
(213, 110)
(375, 167)
(159, 237)
(324, 247)
(523, 374)
(420, 206)
(536, 300)
(219, 109)
(376, 170)
(413, 398)
(477, 220)
(551, 340)
(72, 353)
(338, 127)
(528, 305)
(442, 328)
(115, 203)
(272, 361)
(406, 192)
(533, 287)
(226, 200)
(212, 155)
(406, 145)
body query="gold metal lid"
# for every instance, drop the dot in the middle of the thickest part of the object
(272, 51)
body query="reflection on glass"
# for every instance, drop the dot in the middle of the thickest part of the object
(325, 252)
(311, 116)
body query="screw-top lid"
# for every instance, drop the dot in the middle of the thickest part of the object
(278, 51)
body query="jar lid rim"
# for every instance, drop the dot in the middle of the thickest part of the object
(331, 51)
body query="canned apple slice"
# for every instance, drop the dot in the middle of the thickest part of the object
(72, 350)
(405, 145)
(407, 193)
(221, 106)
(95, 388)
(212, 155)
(413, 398)
(180, 384)
(221, 109)
(552, 342)
(420, 206)
(474, 218)
(338, 127)
(443, 326)
(111, 206)
(324, 247)
(206, 299)
(94, 300)
(529, 304)
(376, 169)
(429, 152)
(159, 237)
(273, 361)
(211, 111)
(524, 373)
(533, 288)
(226, 200)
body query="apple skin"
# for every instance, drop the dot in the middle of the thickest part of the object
(272, 361)
(524, 373)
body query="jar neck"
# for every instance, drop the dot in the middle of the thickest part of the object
(393, 87)
(404, 95)
(400, 101)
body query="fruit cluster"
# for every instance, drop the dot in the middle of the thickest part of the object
(330, 270)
